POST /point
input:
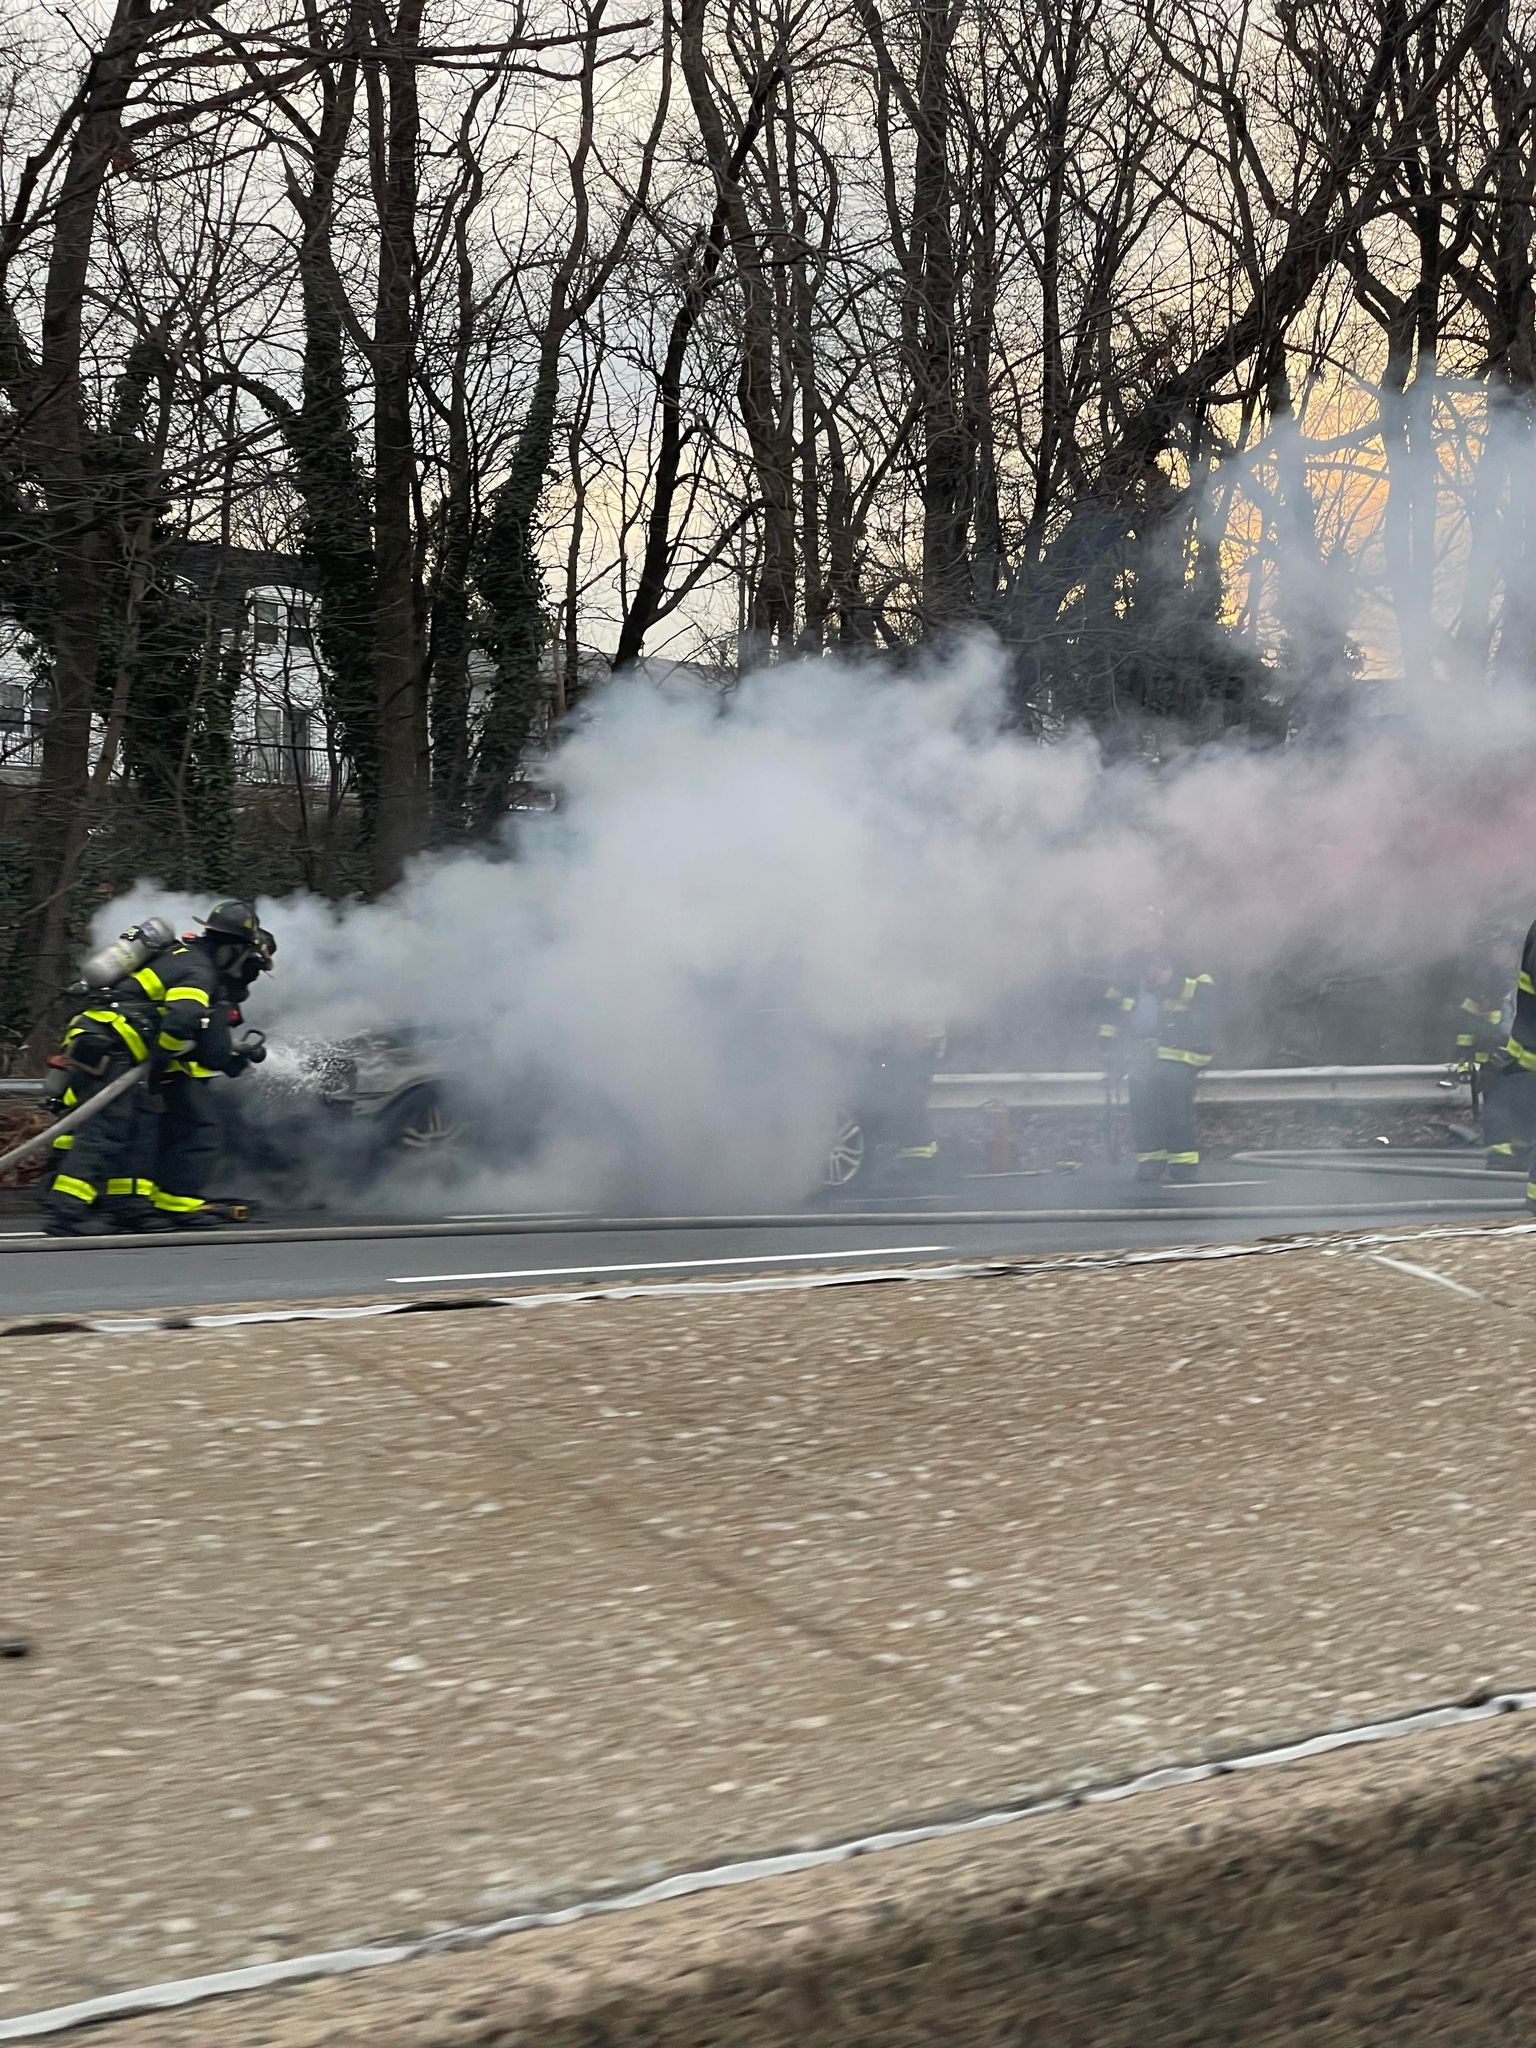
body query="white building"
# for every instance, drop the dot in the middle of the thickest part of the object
(281, 734)
(279, 730)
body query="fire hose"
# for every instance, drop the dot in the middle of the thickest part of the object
(40, 1140)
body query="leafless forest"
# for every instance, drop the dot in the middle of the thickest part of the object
(1186, 345)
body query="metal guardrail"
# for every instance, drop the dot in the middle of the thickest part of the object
(1245, 1085)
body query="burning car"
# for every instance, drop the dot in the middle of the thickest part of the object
(344, 1117)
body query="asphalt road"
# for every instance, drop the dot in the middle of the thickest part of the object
(446, 1254)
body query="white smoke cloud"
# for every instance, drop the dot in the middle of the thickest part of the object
(682, 970)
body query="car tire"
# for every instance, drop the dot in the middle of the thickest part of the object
(419, 1131)
(846, 1161)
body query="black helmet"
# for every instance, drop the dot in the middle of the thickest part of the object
(232, 920)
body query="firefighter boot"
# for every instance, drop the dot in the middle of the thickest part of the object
(206, 1216)
(90, 1223)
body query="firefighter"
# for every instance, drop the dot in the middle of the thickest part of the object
(906, 1088)
(103, 1172)
(1511, 1073)
(206, 977)
(1503, 1089)
(1157, 1032)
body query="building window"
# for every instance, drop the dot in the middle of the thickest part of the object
(299, 634)
(267, 617)
(270, 751)
(284, 751)
(13, 707)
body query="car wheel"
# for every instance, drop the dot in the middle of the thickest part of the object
(846, 1155)
(420, 1130)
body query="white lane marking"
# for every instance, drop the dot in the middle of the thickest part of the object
(878, 1251)
(1199, 1187)
(520, 1216)
(1425, 1273)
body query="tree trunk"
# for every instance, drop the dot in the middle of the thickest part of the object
(400, 827)
(451, 637)
(771, 615)
(1512, 336)
(946, 584)
(55, 435)
(511, 583)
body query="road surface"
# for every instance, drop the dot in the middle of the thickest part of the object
(336, 1257)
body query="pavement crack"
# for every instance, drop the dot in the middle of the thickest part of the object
(920, 1692)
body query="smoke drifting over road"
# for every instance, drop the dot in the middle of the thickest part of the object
(684, 966)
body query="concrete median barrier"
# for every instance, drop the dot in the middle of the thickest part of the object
(1376, 1896)
(358, 1635)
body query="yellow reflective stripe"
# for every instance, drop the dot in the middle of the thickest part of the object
(1465, 1038)
(178, 1205)
(1150, 1158)
(1190, 985)
(1183, 1158)
(1109, 1031)
(187, 994)
(919, 1151)
(129, 1186)
(169, 1042)
(1190, 1059)
(1520, 1054)
(1506, 1150)
(63, 1144)
(66, 1184)
(151, 983)
(124, 1030)
(1527, 986)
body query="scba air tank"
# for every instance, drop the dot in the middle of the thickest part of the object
(126, 954)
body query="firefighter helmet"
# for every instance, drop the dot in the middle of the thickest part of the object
(232, 920)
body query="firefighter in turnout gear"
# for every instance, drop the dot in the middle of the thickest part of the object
(143, 1163)
(206, 977)
(1511, 1074)
(1156, 1030)
(102, 1172)
(1503, 1085)
(905, 1085)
